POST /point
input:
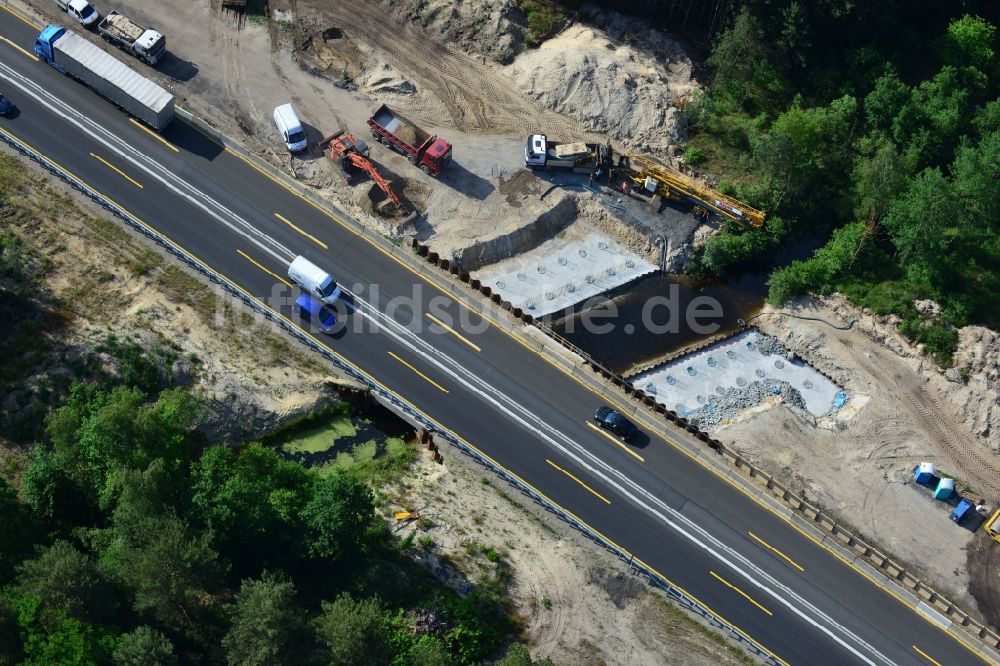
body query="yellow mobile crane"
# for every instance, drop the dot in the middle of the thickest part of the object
(992, 526)
(662, 180)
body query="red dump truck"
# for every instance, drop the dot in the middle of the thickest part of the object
(430, 153)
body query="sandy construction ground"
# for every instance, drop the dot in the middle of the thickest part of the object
(336, 61)
(903, 410)
(578, 605)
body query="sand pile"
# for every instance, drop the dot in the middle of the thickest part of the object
(407, 134)
(975, 382)
(623, 79)
(483, 27)
(331, 52)
(383, 79)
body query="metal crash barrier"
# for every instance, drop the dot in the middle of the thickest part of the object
(405, 409)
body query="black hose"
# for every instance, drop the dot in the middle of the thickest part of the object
(848, 326)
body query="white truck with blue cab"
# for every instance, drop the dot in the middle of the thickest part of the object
(74, 56)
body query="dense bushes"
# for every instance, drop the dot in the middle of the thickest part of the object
(887, 151)
(137, 545)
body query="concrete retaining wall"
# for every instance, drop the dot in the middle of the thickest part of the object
(522, 239)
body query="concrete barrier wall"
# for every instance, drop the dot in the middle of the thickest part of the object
(840, 537)
(906, 582)
(521, 239)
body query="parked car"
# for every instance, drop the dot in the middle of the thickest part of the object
(6, 106)
(314, 312)
(615, 423)
(81, 10)
(290, 128)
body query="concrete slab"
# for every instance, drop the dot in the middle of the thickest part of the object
(691, 382)
(564, 271)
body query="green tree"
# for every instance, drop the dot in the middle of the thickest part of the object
(52, 637)
(922, 221)
(931, 122)
(806, 152)
(154, 491)
(266, 625)
(987, 119)
(518, 655)
(976, 178)
(50, 490)
(878, 180)
(170, 570)
(144, 646)
(251, 500)
(354, 632)
(742, 73)
(337, 515)
(429, 651)
(98, 432)
(846, 248)
(886, 100)
(11, 652)
(968, 43)
(64, 579)
(477, 626)
(18, 531)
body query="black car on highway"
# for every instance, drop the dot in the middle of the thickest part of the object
(614, 422)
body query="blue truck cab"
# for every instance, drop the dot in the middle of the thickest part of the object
(43, 44)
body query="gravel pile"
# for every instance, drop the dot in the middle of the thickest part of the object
(714, 409)
(767, 345)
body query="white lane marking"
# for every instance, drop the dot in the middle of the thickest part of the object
(714, 547)
(145, 163)
(514, 410)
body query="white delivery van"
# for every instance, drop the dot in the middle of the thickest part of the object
(314, 280)
(290, 128)
(81, 10)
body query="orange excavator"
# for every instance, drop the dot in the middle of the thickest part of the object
(352, 152)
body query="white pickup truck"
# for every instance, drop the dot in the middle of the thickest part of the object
(81, 10)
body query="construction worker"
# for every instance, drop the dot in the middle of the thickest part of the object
(981, 508)
(625, 187)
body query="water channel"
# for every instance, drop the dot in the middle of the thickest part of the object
(647, 320)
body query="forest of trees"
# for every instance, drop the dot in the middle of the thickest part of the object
(133, 543)
(870, 131)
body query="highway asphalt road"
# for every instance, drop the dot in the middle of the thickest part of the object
(749, 565)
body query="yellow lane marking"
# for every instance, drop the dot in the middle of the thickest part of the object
(422, 375)
(555, 365)
(154, 135)
(775, 551)
(285, 187)
(23, 18)
(452, 331)
(615, 441)
(926, 656)
(464, 441)
(304, 233)
(27, 53)
(588, 488)
(116, 170)
(738, 591)
(261, 267)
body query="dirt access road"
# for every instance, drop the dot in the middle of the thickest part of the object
(859, 463)
(454, 88)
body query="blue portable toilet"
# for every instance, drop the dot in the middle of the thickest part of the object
(945, 488)
(924, 473)
(963, 508)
